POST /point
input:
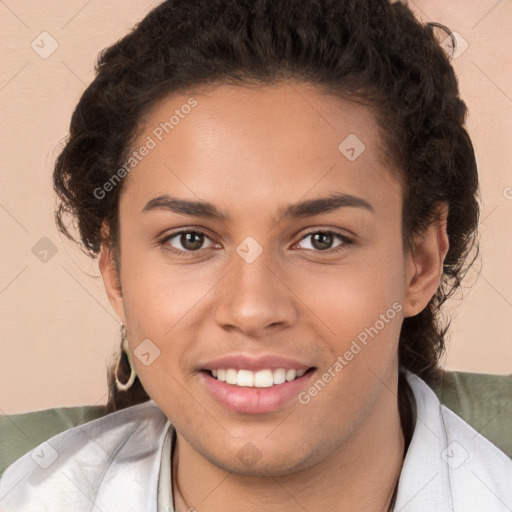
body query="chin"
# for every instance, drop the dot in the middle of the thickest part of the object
(250, 461)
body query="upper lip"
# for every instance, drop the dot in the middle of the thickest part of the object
(254, 363)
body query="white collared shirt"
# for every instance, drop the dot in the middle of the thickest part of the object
(121, 463)
(449, 466)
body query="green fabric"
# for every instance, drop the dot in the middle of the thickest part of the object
(482, 400)
(19, 433)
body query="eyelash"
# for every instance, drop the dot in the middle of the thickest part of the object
(342, 247)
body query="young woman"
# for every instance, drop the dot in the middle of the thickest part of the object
(282, 195)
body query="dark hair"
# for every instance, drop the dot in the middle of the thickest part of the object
(371, 51)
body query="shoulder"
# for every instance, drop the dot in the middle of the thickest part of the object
(482, 400)
(74, 469)
(448, 461)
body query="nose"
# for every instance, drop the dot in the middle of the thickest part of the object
(254, 297)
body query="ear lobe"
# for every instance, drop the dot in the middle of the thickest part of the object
(109, 273)
(426, 261)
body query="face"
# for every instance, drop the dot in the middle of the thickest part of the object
(260, 233)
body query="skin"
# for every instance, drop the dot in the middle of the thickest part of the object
(250, 152)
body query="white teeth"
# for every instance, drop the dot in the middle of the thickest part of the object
(259, 379)
(244, 378)
(279, 376)
(231, 376)
(263, 379)
(290, 374)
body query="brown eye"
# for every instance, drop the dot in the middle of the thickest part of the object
(191, 241)
(321, 241)
(183, 241)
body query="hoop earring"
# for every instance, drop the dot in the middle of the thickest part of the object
(124, 362)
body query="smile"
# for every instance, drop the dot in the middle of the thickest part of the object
(256, 392)
(260, 379)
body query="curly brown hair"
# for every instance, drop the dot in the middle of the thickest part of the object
(371, 51)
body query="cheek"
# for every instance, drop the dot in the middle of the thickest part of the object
(157, 294)
(163, 304)
(360, 310)
(353, 296)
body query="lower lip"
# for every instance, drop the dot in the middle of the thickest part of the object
(254, 400)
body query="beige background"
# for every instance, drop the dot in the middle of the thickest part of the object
(57, 326)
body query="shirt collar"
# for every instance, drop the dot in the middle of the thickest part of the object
(164, 493)
(449, 466)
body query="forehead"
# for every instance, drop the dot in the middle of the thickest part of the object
(258, 143)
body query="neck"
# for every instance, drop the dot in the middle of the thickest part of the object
(361, 475)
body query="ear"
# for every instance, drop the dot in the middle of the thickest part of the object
(110, 274)
(424, 267)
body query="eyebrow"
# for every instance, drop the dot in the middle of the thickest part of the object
(302, 209)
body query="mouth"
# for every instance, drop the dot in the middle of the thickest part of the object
(256, 392)
(265, 378)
